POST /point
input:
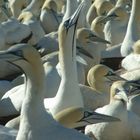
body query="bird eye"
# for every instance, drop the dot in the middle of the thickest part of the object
(117, 90)
(66, 23)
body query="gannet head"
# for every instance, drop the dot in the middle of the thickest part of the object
(85, 35)
(97, 80)
(119, 91)
(21, 55)
(51, 4)
(67, 28)
(101, 77)
(103, 7)
(117, 13)
(136, 47)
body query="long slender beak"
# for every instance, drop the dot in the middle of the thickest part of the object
(112, 76)
(74, 18)
(108, 18)
(94, 117)
(96, 38)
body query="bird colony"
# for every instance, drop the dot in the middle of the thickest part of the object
(69, 70)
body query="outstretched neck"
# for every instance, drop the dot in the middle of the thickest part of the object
(32, 108)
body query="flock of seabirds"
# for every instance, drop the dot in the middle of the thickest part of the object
(70, 70)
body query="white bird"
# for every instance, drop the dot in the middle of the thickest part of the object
(68, 94)
(27, 58)
(93, 44)
(49, 17)
(133, 30)
(98, 8)
(129, 126)
(115, 29)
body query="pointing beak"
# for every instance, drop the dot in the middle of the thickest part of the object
(74, 18)
(94, 117)
(108, 18)
(112, 76)
(96, 38)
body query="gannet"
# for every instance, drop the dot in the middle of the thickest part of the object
(67, 55)
(27, 58)
(49, 17)
(98, 8)
(128, 128)
(133, 30)
(97, 26)
(115, 29)
(92, 44)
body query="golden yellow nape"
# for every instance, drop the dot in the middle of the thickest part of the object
(96, 78)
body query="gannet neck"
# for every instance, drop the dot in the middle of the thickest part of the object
(34, 83)
(70, 8)
(33, 110)
(133, 30)
(67, 54)
(68, 94)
